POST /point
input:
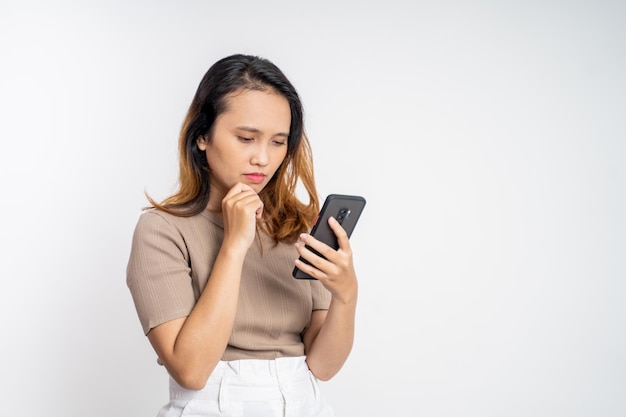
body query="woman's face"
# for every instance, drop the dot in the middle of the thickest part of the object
(248, 142)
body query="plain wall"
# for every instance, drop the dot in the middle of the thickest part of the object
(488, 138)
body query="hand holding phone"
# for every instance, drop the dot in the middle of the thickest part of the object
(346, 209)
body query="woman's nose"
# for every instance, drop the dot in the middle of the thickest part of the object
(260, 155)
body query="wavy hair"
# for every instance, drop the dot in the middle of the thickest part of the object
(285, 216)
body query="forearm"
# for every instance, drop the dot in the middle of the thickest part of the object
(332, 345)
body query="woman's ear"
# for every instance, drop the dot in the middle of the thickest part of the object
(202, 143)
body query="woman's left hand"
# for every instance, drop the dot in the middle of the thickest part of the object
(336, 272)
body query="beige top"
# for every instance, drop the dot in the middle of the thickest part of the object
(170, 262)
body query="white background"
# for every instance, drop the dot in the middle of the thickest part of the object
(488, 137)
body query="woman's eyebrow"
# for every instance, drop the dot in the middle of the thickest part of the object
(255, 130)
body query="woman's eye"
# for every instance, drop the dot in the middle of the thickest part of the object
(280, 142)
(241, 138)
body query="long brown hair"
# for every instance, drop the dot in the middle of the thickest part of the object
(285, 216)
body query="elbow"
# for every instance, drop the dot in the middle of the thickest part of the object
(325, 378)
(323, 375)
(191, 380)
(192, 383)
(189, 373)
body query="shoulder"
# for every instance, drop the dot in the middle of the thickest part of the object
(152, 218)
(155, 223)
(158, 233)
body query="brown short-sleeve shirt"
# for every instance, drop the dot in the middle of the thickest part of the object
(170, 262)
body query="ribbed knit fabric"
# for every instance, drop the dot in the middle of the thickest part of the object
(170, 262)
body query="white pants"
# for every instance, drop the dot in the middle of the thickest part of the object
(282, 387)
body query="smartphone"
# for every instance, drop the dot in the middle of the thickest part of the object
(346, 209)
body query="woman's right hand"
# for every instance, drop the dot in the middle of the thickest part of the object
(241, 208)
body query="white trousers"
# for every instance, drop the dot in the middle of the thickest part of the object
(283, 387)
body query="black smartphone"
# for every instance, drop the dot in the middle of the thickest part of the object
(346, 209)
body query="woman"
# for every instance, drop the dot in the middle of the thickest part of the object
(210, 266)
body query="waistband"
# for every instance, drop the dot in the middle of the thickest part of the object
(270, 377)
(261, 368)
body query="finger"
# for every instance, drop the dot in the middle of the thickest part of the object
(311, 263)
(340, 232)
(320, 247)
(317, 258)
(238, 192)
(248, 201)
(310, 270)
(238, 189)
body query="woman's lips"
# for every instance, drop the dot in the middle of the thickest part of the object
(255, 177)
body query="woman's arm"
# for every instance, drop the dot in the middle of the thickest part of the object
(191, 347)
(328, 339)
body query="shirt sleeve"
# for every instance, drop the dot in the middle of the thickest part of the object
(321, 296)
(158, 272)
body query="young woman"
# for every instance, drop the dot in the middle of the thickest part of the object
(210, 266)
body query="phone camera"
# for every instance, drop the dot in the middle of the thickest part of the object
(343, 214)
